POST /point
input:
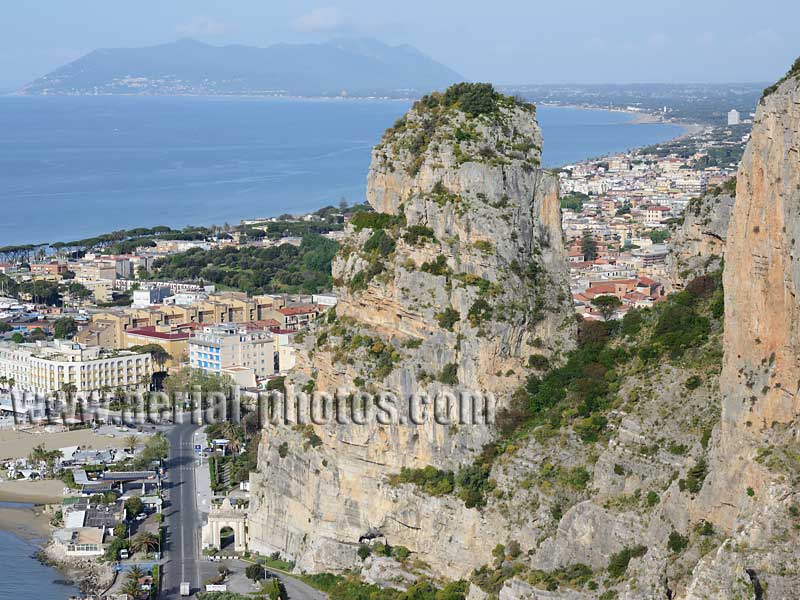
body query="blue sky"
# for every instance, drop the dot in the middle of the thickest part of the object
(504, 41)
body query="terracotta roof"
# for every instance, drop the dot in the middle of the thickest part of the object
(300, 309)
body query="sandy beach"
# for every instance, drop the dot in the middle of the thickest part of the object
(48, 491)
(16, 444)
(28, 523)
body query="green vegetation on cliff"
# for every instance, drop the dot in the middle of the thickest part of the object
(794, 71)
(433, 117)
(349, 587)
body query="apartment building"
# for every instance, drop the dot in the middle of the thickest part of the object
(46, 367)
(173, 339)
(53, 269)
(228, 349)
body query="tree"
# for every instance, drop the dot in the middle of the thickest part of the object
(156, 352)
(5, 327)
(659, 236)
(255, 573)
(131, 585)
(78, 291)
(64, 328)
(17, 338)
(155, 448)
(607, 305)
(588, 246)
(37, 335)
(146, 542)
(130, 442)
(134, 506)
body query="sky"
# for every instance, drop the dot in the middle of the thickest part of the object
(502, 41)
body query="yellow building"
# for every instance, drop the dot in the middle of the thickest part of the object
(174, 340)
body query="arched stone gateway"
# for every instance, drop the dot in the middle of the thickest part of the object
(226, 516)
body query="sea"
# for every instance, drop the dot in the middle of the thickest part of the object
(73, 167)
(26, 577)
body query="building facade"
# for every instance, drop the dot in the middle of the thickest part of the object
(220, 347)
(48, 367)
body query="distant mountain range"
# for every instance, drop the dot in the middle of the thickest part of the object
(354, 67)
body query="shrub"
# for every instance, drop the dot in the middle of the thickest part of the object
(449, 374)
(473, 481)
(619, 561)
(484, 246)
(381, 243)
(430, 480)
(696, 476)
(283, 450)
(416, 235)
(652, 498)
(472, 98)
(702, 286)
(400, 552)
(677, 543)
(447, 318)
(632, 322)
(374, 220)
(694, 382)
(436, 267)
(364, 551)
(705, 528)
(678, 328)
(538, 362)
(479, 312)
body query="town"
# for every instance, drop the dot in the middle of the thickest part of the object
(618, 213)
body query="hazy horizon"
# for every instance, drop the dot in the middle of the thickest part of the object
(508, 43)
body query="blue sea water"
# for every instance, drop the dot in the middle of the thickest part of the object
(72, 167)
(25, 576)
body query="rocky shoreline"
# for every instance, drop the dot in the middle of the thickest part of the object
(89, 576)
(32, 524)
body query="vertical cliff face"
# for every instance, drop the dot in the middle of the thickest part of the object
(697, 245)
(456, 283)
(761, 374)
(762, 275)
(752, 492)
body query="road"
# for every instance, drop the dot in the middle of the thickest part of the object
(296, 589)
(182, 545)
(183, 521)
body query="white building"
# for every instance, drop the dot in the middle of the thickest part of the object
(654, 215)
(242, 353)
(733, 117)
(46, 367)
(151, 295)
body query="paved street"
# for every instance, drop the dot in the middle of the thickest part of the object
(188, 495)
(182, 546)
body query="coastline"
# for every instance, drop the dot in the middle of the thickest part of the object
(27, 522)
(47, 491)
(637, 117)
(31, 525)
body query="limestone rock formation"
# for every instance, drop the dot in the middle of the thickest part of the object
(660, 462)
(457, 283)
(697, 245)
